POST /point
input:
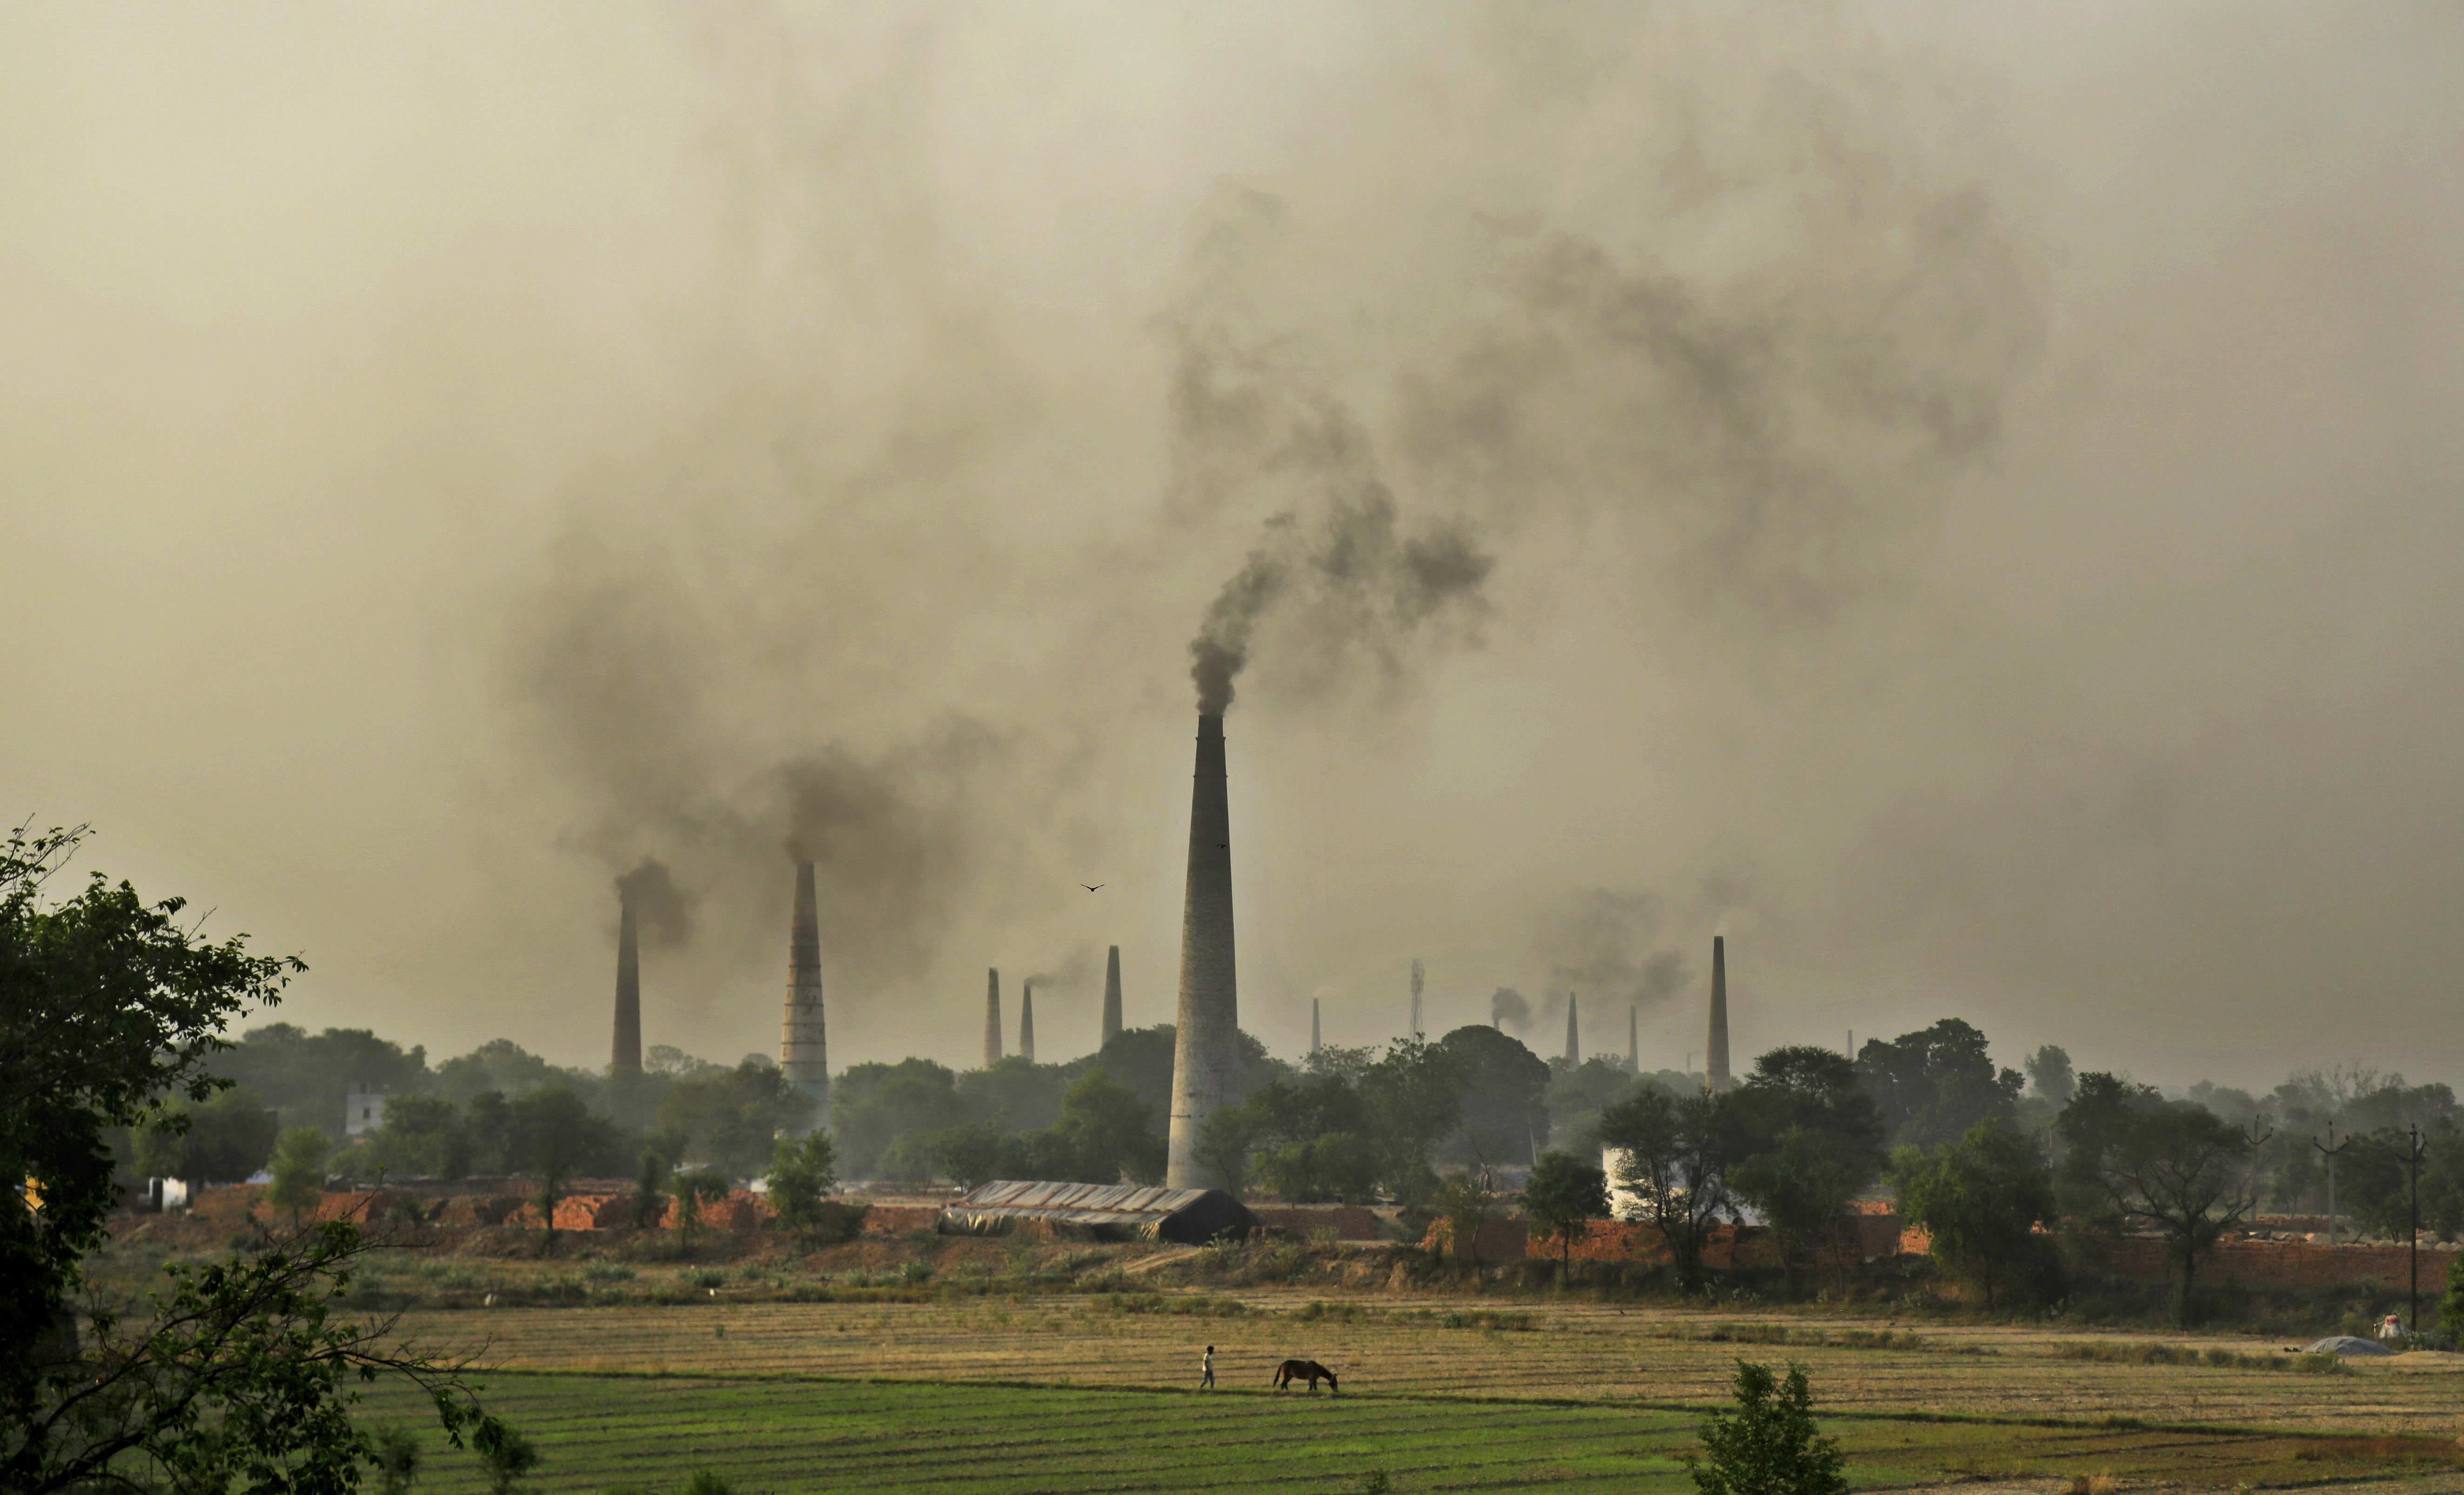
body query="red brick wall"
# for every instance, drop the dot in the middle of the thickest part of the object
(1500, 1240)
(2281, 1263)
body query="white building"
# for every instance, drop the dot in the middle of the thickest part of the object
(363, 1111)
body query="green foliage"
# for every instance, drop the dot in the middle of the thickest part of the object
(1466, 1207)
(1803, 1140)
(393, 1452)
(2375, 1182)
(106, 1003)
(2050, 1075)
(509, 1455)
(1335, 1166)
(1504, 1108)
(304, 1075)
(1577, 1094)
(222, 1139)
(2451, 1305)
(705, 1483)
(555, 1136)
(298, 1170)
(693, 1187)
(649, 1202)
(1980, 1199)
(873, 1105)
(1675, 1162)
(2178, 1165)
(1103, 1132)
(506, 1068)
(804, 1171)
(423, 1137)
(729, 1118)
(1933, 1085)
(1563, 1194)
(1339, 1132)
(1769, 1445)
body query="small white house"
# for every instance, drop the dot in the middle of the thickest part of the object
(363, 1111)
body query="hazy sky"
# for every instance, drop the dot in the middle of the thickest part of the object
(1963, 499)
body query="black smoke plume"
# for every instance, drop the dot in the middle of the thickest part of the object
(662, 911)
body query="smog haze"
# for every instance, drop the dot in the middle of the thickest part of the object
(1962, 500)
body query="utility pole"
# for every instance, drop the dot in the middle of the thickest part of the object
(2329, 1154)
(2412, 1322)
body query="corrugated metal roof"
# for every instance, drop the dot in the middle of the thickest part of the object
(1081, 1203)
(1108, 1211)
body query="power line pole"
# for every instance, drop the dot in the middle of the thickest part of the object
(2412, 1321)
(2329, 1154)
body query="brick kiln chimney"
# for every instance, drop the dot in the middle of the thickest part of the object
(627, 1052)
(1715, 1049)
(1112, 997)
(1206, 1044)
(803, 1051)
(1633, 1040)
(992, 1017)
(1027, 1021)
(1574, 1034)
(1417, 973)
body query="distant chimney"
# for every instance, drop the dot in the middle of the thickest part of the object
(1574, 1034)
(1206, 1042)
(992, 1019)
(1633, 1042)
(1715, 1051)
(627, 1052)
(1416, 976)
(1316, 1042)
(1112, 997)
(803, 1049)
(1027, 1021)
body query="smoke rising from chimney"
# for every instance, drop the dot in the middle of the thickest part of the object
(661, 909)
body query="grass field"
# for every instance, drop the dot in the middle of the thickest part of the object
(609, 1432)
(1586, 1353)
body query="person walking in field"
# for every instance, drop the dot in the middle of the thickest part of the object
(1207, 1382)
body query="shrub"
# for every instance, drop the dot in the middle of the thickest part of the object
(1768, 1444)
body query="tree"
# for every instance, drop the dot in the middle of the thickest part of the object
(305, 1075)
(1803, 1140)
(873, 1105)
(225, 1139)
(298, 1170)
(1563, 1196)
(2049, 1074)
(1577, 1094)
(1769, 1445)
(1106, 1132)
(1466, 1207)
(1504, 1110)
(693, 1187)
(1224, 1141)
(554, 1137)
(1412, 1095)
(1934, 1083)
(1672, 1159)
(1980, 1199)
(423, 1137)
(804, 1171)
(108, 1005)
(105, 1005)
(2451, 1307)
(2177, 1166)
(730, 1118)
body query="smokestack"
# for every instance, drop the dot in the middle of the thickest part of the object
(1112, 997)
(992, 1019)
(627, 1052)
(1027, 1021)
(1574, 1034)
(1633, 1042)
(1715, 1051)
(1416, 995)
(803, 1051)
(1206, 1044)
(1315, 1043)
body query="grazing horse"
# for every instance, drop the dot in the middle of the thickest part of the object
(1310, 1370)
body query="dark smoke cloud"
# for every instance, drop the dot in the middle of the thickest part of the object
(1508, 1010)
(1609, 942)
(662, 911)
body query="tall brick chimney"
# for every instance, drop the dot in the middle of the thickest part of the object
(1715, 1048)
(1112, 997)
(992, 1017)
(1027, 1021)
(804, 1048)
(1574, 1033)
(628, 1051)
(1206, 1044)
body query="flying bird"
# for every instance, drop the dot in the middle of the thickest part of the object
(1090, 887)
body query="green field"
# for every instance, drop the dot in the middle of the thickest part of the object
(604, 1432)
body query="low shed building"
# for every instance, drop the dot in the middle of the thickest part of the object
(1100, 1211)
